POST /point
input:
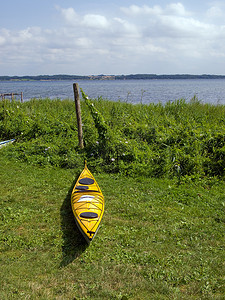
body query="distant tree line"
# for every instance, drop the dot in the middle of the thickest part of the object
(113, 77)
(43, 77)
(175, 76)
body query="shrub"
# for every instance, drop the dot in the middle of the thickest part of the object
(179, 139)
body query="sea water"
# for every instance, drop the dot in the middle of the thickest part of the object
(133, 91)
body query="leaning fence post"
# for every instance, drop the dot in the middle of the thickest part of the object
(78, 113)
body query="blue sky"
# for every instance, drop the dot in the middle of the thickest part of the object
(119, 37)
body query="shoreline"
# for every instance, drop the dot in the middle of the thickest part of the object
(109, 77)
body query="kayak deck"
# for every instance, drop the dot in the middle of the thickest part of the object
(87, 203)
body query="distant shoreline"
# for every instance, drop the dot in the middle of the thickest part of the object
(108, 77)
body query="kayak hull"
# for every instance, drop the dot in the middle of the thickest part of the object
(87, 202)
(5, 143)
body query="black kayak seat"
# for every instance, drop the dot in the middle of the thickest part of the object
(88, 215)
(82, 187)
(86, 180)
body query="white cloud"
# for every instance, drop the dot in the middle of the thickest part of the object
(84, 42)
(2, 40)
(124, 27)
(90, 20)
(172, 21)
(215, 12)
(95, 21)
(138, 35)
(135, 10)
(69, 15)
(180, 27)
(176, 9)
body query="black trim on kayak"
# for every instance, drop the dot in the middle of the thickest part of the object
(91, 232)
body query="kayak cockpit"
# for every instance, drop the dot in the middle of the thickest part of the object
(88, 215)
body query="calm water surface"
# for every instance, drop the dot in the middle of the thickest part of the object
(134, 91)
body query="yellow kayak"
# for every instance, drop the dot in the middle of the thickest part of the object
(87, 203)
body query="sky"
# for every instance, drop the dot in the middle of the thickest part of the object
(93, 37)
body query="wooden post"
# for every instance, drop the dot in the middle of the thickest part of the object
(78, 113)
(21, 97)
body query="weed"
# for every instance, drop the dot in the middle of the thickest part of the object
(176, 140)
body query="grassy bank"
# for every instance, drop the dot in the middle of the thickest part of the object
(161, 170)
(178, 139)
(158, 240)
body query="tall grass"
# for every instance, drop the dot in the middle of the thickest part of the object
(177, 139)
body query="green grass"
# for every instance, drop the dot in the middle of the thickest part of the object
(161, 170)
(157, 240)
